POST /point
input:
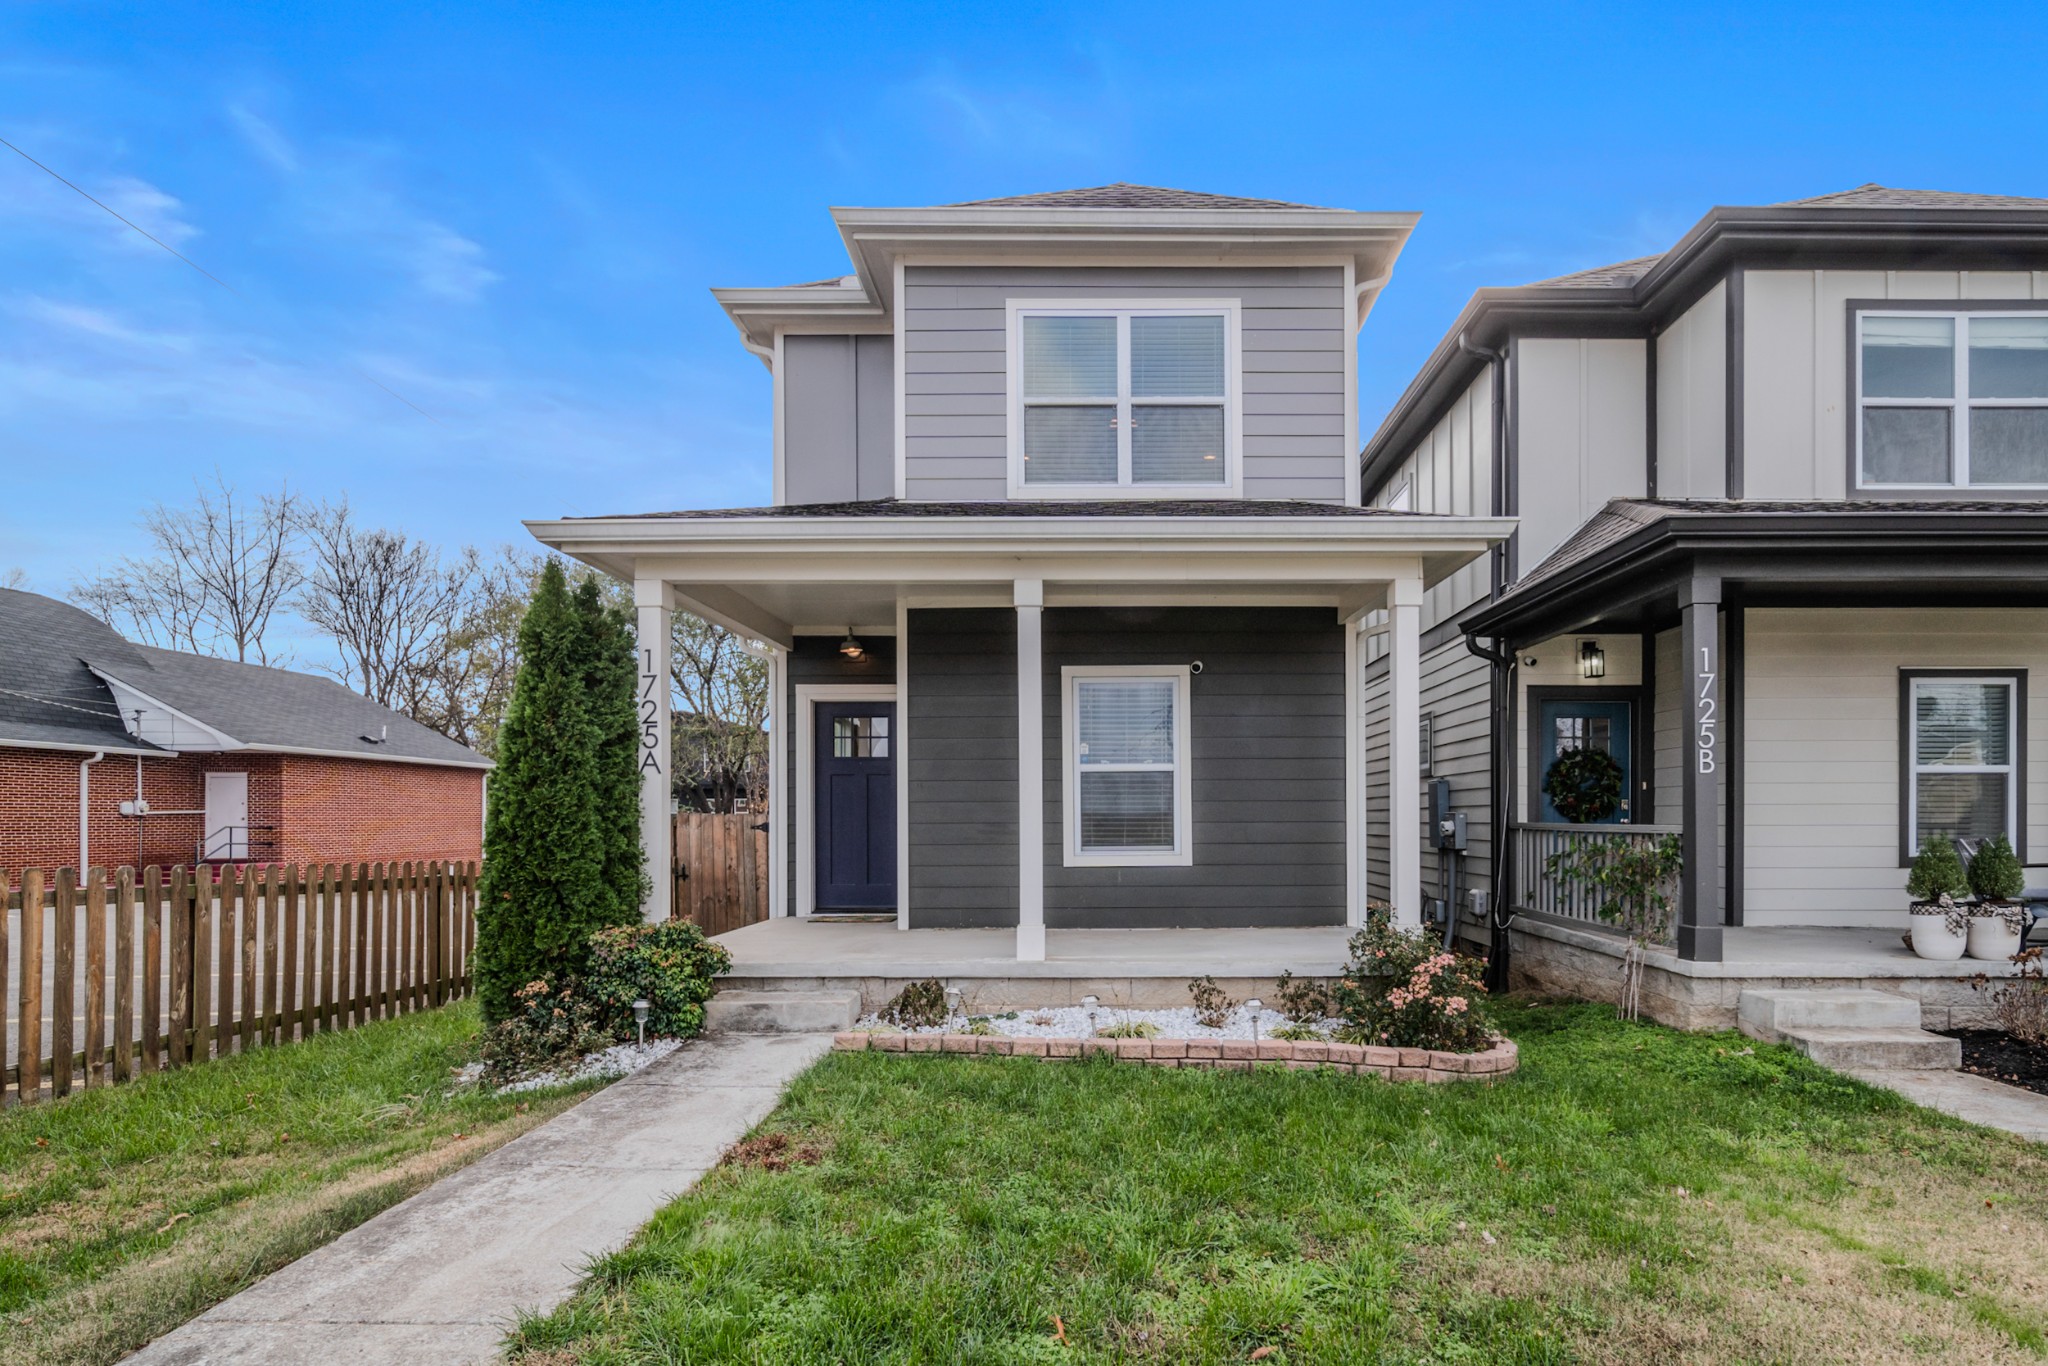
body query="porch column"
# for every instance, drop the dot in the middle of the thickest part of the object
(654, 605)
(1404, 749)
(1699, 888)
(1030, 600)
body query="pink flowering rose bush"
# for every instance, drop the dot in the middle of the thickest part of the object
(1402, 990)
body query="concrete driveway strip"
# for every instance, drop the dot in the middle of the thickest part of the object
(441, 1276)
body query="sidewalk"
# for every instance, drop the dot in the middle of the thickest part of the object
(440, 1277)
(1967, 1096)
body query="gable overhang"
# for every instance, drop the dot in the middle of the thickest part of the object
(129, 699)
(877, 240)
(770, 577)
(1917, 558)
(1807, 238)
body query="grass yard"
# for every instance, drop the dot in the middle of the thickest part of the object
(124, 1212)
(1633, 1195)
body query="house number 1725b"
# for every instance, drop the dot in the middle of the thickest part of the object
(1705, 719)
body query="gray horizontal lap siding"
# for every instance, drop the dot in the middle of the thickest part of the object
(1267, 731)
(814, 660)
(963, 767)
(954, 374)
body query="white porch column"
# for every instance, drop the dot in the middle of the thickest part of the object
(1404, 749)
(1030, 600)
(781, 811)
(654, 605)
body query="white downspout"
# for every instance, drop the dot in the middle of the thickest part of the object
(84, 811)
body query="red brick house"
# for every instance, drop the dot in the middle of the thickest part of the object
(114, 753)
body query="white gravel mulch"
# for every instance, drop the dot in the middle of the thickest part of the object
(620, 1060)
(1071, 1022)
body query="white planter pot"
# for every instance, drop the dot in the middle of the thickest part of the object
(1990, 938)
(1933, 939)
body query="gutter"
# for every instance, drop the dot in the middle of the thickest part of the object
(85, 810)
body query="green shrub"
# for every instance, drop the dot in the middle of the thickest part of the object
(671, 966)
(547, 1029)
(918, 1006)
(1937, 872)
(1129, 1029)
(1996, 874)
(1299, 1033)
(1401, 991)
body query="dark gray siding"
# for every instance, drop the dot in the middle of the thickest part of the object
(838, 418)
(1455, 696)
(816, 659)
(956, 409)
(1267, 726)
(963, 767)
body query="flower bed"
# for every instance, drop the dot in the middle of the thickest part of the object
(1239, 1055)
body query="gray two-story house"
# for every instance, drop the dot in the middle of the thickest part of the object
(1067, 580)
(1780, 551)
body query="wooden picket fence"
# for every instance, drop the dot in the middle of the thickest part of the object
(721, 869)
(210, 961)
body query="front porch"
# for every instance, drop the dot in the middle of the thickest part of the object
(1141, 969)
(1012, 723)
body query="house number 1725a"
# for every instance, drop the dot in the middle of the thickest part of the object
(1705, 718)
(650, 714)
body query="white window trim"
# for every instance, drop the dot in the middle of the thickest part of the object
(2010, 768)
(806, 823)
(1959, 404)
(1231, 311)
(1182, 855)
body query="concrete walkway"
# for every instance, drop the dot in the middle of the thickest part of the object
(1966, 1096)
(440, 1277)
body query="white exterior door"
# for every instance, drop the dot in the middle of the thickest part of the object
(227, 817)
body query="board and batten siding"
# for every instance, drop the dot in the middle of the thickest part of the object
(838, 418)
(1450, 471)
(1692, 401)
(963, 767)
(1580, 436)
(1267, 738)
(1796, 364)
(1821, 748)
(955, 400)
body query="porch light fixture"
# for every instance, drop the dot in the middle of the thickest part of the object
(851, 646)
(1592, 660)
(640, 1020)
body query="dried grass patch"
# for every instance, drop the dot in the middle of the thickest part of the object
(773, 1152)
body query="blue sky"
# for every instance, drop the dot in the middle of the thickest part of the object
(509, 215)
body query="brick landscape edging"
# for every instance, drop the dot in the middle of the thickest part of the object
(1238, 1055)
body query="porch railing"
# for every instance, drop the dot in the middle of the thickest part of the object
(1537, 890)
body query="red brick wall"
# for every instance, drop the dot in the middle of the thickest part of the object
(355, 809)
(330, 810)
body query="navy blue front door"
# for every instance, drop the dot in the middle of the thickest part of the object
(855, 812)
(1569, 724)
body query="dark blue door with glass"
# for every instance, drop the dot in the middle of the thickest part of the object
(855, 811)
(1566, 724)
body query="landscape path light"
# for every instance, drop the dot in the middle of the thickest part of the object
(640, 1019)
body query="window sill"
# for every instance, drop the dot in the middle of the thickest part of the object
(1129, 859)
(1103, 492)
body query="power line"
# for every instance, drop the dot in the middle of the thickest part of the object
(195, 265)
(129, 221)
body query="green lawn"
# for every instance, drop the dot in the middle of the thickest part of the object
(1632, 1195)
(124, 1212)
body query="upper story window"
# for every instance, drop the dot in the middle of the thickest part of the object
(1952, 399)
(1116, 399)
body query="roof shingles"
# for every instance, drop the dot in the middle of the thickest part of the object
(1123, 195)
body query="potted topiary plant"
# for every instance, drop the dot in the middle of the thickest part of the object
(1936, 884)
(1998, 919)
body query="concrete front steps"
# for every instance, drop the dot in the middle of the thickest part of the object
(1847, 1028)
(742, 1011)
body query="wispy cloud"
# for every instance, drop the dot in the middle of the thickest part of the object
(99, 323)
(264, 139)
(1084, 116)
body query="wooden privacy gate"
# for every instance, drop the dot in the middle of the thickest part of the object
(210, 961)
(720, 863)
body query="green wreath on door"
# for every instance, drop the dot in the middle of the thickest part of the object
(1584, 785)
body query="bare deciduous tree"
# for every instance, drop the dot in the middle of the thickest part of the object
(390, 602)
(222, 571)
(721, 695)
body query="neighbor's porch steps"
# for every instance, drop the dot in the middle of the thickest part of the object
(782, 1012)
(1847, 1028)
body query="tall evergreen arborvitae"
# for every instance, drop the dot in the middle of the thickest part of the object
(611, 684)
(543, 887)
